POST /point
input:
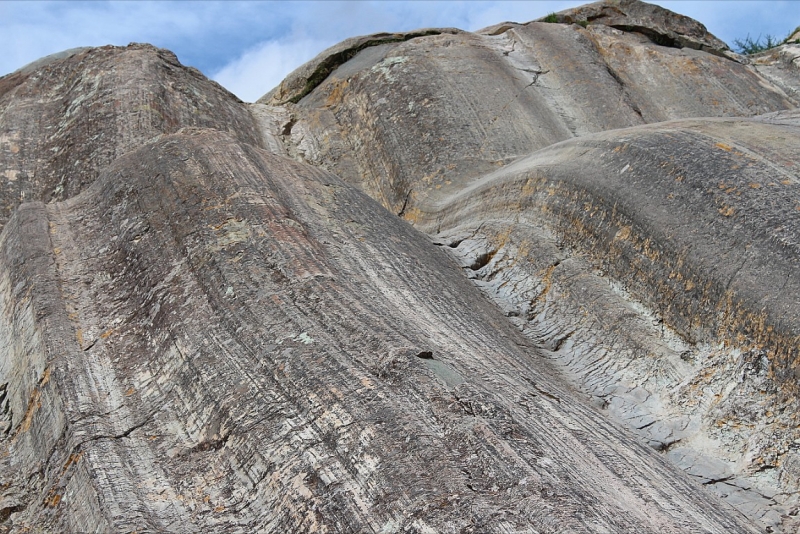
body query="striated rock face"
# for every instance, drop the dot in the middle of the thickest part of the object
(439, 110)
(208, 324)
(65, 118)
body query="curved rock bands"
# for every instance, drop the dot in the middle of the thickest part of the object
(265, 348)
(199, 333)
(439, 111)
(656, 265)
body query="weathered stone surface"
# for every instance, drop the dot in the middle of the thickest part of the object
(64, 118)
(306, 77)
(199, 332)
(402, 118)
(781, 66)
(660, 25)
(659, 266)
(250, 344)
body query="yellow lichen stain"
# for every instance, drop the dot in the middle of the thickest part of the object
(786, 182)
(547, 282)
(529, 187)
(726, 211)
(367, 383)
(79, 337)
(218, 509)
(679, 178)
(754, 185)
(689, 285)
(413, 215)
(130, 391)
(45, 377)
(723, 146)
(623, 233)
(107, 333)
(651, 253)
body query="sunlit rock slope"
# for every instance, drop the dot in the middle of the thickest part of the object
(569, 306)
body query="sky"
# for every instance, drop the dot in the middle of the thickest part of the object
(249, 46)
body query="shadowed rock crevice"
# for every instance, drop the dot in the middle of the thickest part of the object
(304, 80)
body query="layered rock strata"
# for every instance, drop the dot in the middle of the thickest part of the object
(209, 325)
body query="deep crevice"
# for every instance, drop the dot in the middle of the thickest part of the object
(332, 62)
(482, 260)
(654, 36)
(6, 512)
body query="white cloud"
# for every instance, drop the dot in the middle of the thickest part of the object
(249, 46)
(261, 68)
(318, 25)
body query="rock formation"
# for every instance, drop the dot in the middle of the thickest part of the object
(538, 278)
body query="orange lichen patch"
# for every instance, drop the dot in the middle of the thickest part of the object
(218, 509)
(53, 500)
(754, 185)
(723, 146)
(786, 182)
(130, 391)
(79, 337)
(337, 93)
(689, 285)
(34, 403)
(726, 211)
(72, 460)
(107, 333)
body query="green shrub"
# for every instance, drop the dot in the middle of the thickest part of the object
(552, 17)
(794, 31)
(749, 46)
